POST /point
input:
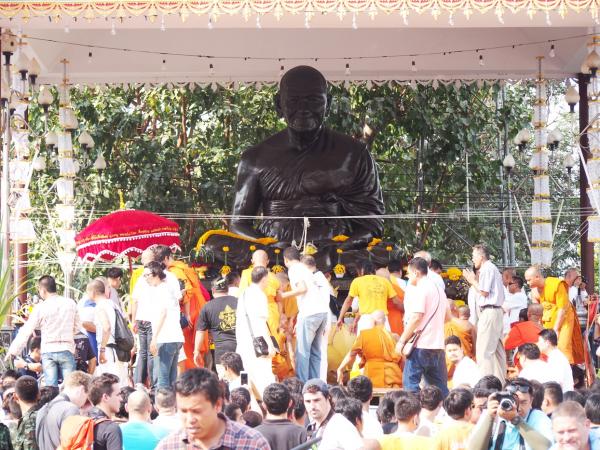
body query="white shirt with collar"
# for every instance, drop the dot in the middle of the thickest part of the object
(490, 281)
(561, 370)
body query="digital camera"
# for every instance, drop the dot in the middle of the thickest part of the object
(506, 400)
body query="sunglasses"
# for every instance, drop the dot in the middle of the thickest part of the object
(514, 387)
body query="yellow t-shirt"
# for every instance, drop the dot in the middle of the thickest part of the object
(272, 284)
(373, 292)
(401, 441)
(453, 437)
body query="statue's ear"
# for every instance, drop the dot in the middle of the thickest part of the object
(278, 107)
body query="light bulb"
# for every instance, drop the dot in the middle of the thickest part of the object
(552, 52)
(113, 28)
(481, 61)
(89, 57)
(211, 70)
(163, 26)
(45, 97)
(347, 68)
(413, 66)
(51, 139)
(100, 163)
(34, 67)
(39, 163)
(163, 66)
(22, 64)
(281, 71)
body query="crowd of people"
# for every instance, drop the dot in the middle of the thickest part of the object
(246, 365)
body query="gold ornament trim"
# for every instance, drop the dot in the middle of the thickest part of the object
(123, 9)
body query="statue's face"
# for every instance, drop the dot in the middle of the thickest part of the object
(303, 106)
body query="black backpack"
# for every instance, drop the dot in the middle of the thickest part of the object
(124, 341)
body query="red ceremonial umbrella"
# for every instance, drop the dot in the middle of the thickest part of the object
(125, 233)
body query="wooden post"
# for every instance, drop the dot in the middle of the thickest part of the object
(587, 248)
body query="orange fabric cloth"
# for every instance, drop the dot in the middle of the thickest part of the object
(554, 298)
(376, 348)
(461, 330)
(395, 314)
(522, 333)
(194, 296)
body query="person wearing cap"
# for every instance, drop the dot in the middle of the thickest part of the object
(335, 430)
(218, 317)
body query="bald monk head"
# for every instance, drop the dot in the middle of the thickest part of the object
(378, 317)
(260, 258)
(139, 406)
(535, 277)
(464, 312)
(453, 309)
(534, 313)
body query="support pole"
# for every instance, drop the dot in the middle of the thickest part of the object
(587, 248)
(5, 182)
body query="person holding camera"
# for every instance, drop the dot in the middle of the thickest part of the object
(511, 423)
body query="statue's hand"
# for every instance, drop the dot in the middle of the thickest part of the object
(356, 242)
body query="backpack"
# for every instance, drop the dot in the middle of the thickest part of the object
(123, 338)
(77, 433)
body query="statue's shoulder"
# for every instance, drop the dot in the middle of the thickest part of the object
(348, 143)
(265, 148)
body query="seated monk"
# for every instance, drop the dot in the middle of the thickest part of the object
(461, 327)
(307, 170)
(525, 331)
(559, 313)
(376, 348)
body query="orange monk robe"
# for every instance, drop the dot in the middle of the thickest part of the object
(194, 296)
(463, 331)
(554, 298)
(282, 367)
(395, 313)
(376, 348)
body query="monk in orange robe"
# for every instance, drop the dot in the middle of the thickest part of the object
(559, 313)
(395, 311)
(460, 327)
(376, 348)
(276, 319)
(192, 302)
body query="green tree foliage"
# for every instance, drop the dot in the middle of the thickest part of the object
(174, 150)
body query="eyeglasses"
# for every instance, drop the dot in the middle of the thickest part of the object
(147, 275)
(514, 387)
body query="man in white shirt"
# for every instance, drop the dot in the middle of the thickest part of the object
(361, 388)
(514, 302)
(533, 367)
(466, 372)
(337, 431)
(557, 361)
(491, 356)
(312, 315)
(58, 320)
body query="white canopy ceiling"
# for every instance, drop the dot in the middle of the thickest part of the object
(379, 49)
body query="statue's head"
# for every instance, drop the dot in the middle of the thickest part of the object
(302, 99)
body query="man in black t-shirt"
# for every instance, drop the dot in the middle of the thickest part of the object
(217, 316)
(281, 433)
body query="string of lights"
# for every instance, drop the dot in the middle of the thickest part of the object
(477, 51)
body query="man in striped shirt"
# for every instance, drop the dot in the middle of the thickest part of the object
(58, 320)
(199, 402)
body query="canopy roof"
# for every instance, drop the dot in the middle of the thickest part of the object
(249, 41)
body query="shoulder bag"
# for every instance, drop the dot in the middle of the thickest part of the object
(412, 342)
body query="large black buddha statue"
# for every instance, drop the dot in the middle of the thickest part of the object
(308, 170)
